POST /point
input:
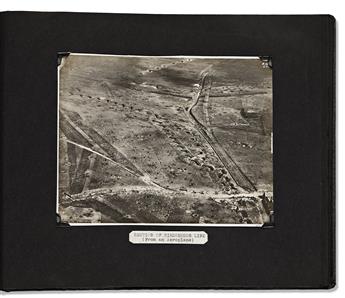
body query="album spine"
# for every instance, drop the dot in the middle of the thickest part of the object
(329, 154)
(331, 151)
(2, 87)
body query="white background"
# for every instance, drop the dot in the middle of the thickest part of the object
(335, 8)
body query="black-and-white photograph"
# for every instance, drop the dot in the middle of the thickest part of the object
(165, 140)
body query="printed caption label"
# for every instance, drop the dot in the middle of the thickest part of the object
(168, 237)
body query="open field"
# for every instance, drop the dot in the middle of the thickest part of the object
(165, 140)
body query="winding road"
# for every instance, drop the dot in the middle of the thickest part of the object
(234, 170)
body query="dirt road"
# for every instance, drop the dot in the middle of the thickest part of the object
(235, 172)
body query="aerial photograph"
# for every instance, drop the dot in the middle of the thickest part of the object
(165, 140)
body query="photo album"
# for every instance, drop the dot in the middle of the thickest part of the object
(143, 151)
